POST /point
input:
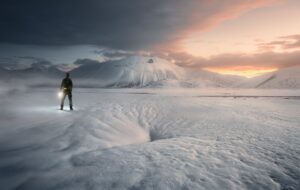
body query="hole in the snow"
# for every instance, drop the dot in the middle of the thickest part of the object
(156, 135)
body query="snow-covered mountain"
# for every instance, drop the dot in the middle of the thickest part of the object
(288, 78)
(36, 70)
(39, 70)
(132, 71)
(202, 79)
(146, 71)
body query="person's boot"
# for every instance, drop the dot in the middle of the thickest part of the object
(71, 107)
(61, 107)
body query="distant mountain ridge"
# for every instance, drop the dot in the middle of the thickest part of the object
(147, 71)
(36, 70)
(287, 78)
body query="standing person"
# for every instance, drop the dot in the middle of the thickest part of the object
(66, 88)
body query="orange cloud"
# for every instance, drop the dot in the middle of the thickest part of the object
(228, 11)
(248, 65)
(283, 43)
(201, 20)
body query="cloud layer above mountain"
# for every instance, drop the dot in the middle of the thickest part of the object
(126, 24)
(63, 31)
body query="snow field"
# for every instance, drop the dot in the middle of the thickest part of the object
(147, 139)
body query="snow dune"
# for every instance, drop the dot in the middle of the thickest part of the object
(148, 139)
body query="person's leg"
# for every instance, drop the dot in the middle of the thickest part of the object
(62, 100)
(70, 100)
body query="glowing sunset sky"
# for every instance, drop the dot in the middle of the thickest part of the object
(244, 33)
(241, 37)
(253, 32)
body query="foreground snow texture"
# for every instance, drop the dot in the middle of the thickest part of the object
(143, 139)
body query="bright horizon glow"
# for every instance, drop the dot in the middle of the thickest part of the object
(244, 34)
(248, 72)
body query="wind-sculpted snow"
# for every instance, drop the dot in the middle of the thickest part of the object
(150, 139)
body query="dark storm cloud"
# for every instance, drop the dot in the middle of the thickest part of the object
(118, 54)
(86, 62)
(113, 23)
(119, 24)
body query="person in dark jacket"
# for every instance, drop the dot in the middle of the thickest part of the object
(66, 88)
